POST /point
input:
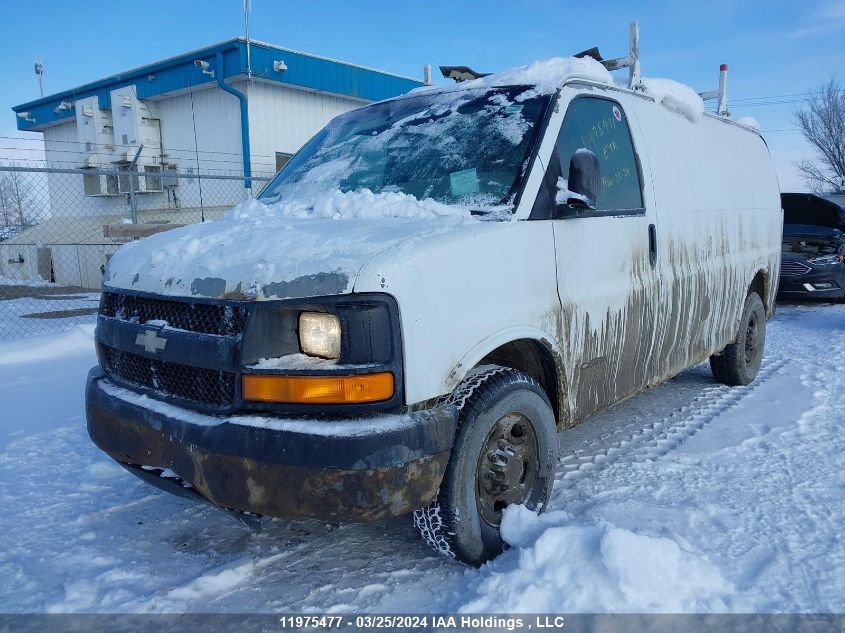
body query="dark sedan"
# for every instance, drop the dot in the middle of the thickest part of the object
(813, 259)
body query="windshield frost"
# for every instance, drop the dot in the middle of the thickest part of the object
(466, 148)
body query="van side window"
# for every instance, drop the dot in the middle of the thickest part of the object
(600, 125)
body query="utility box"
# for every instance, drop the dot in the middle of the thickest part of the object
(135, 125)
(95, 133)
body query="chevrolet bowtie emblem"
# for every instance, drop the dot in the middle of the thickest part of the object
(150, 341)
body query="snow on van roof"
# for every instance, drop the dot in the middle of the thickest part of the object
(675, 96)
(547, 75)
(749, 121)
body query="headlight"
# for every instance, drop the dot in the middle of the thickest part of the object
(319, 334)
(825, 260)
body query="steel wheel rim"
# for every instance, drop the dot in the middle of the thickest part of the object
(508, 467)
(751, 339)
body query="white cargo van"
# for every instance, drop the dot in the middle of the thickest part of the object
(428, 291)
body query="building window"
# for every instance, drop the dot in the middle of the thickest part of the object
(282, 159)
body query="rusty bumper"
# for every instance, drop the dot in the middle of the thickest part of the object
(349, 470)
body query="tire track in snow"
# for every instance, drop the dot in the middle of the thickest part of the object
(656, 439)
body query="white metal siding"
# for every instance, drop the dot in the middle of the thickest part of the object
(218, 131)
(283, 119)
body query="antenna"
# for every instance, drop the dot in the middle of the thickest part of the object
(39, 72)
(247, 9)
(721, 93)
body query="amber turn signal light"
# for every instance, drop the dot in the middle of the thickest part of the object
(318, 389)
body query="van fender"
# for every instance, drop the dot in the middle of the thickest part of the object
(509, 335)
(769, 286)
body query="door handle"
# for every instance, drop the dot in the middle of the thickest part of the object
(652, 245)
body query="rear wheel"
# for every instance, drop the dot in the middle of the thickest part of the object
(504, 453)
(739, 362)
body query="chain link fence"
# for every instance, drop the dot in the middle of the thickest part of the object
(59, 227)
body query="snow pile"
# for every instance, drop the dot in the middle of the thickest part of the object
(31, 283)
(39, 349)
(675, 96)
(559, 566)
(347, 205)
(749, 121)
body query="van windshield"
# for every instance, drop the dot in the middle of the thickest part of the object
(466, 147)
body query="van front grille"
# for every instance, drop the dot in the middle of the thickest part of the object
(206, 386)
(203, 318)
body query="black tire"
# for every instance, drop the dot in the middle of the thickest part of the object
(739, 362)
(505, 452)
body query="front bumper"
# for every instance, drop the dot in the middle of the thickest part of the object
(351, 470)
(821, 284)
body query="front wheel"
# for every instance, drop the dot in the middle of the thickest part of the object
(739, 362)
(504, 453)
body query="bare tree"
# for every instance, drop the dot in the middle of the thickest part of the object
(822, 122)
(6, 214)
(16, 201)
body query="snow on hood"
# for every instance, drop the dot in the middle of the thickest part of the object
(675, 96)
(285, 250)
(546, 76)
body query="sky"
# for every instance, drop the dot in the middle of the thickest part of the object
(777, 50)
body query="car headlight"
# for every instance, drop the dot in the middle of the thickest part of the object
(825, 260)
(319, 334)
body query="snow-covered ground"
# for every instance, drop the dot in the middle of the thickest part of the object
(14, 322)
(690, 497)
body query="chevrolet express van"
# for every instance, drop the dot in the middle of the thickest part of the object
(428, 291)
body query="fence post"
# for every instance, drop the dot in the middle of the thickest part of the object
(133, 166)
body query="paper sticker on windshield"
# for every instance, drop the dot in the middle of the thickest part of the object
(464, 182)
(617, 113)
(513, 108)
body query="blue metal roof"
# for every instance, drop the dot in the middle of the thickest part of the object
(179, 73)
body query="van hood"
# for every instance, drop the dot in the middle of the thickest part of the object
(255, 253)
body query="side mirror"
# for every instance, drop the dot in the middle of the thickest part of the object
(581, 190)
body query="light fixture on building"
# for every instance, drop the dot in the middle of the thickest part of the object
(63, 105)
(26, 116)
(205, 67)
(39, 72)
(279, 66)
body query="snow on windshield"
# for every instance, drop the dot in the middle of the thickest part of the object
(467, 149)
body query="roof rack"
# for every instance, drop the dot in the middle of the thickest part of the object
(721, 93)
(631, 61)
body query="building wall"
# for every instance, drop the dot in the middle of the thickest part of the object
(282, 119)
(216, 116)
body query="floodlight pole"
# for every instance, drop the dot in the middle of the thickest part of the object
(246, 32)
